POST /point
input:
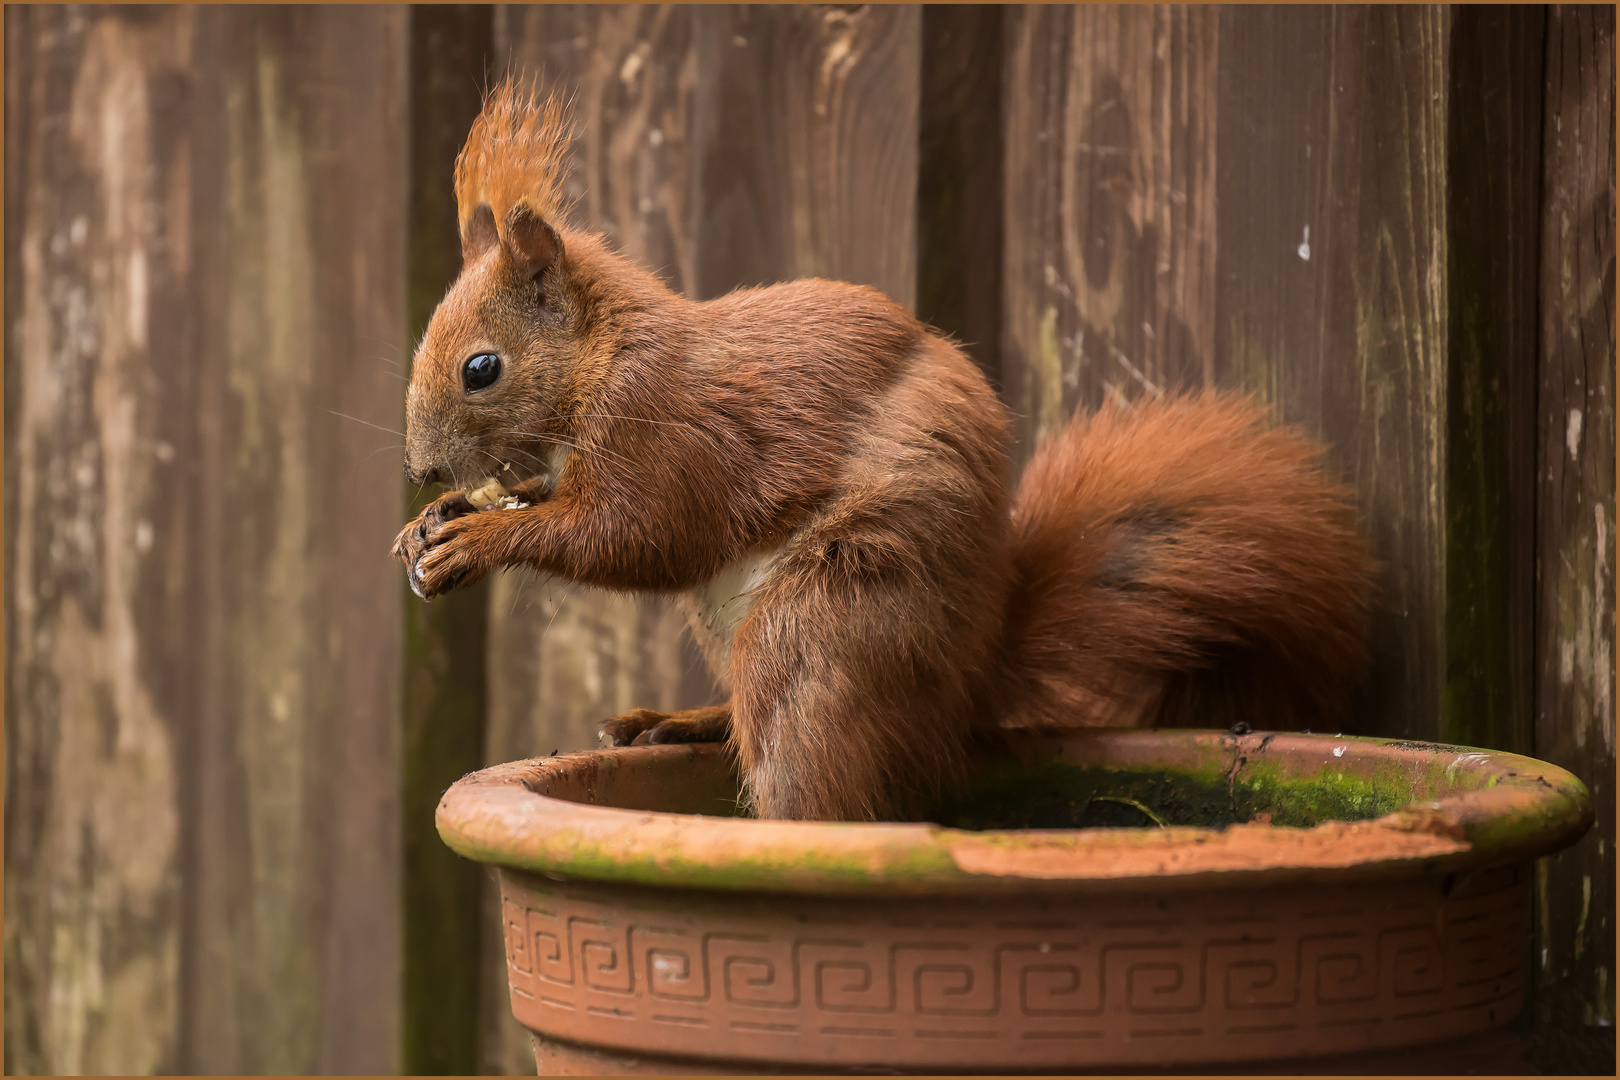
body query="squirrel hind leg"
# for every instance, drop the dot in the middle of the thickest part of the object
(867, 714)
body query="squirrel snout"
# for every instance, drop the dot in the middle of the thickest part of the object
(420, 478)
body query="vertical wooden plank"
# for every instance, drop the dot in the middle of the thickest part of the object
(1333, 120)
(93, 748)
(1273, 187)
(720, 147)
(295, 290)
(959, 186)
(1493, 229)
(1110, 208)
(807, 146)
(1575, 518)
(208, 255)
(206, 668)
(353, 102)
(445, 642)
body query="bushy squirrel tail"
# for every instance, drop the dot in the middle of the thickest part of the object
(1178, 563)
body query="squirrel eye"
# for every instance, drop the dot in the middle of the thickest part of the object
(480, 371)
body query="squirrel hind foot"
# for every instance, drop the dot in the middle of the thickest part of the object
(646, 727)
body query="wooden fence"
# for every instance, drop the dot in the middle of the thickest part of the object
(227, 723)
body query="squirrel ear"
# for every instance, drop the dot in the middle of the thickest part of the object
(532, 244)
(479, 235)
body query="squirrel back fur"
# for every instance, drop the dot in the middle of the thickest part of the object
(822, 478)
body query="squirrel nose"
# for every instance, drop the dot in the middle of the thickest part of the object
(421, 479)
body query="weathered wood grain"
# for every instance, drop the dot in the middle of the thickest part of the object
(1493, 258)
(444, 700)
(1110, 208)
(95, 750)
(202, 830)
(806, 145)
(298, 173)
(1575, 556)
(959, 185)
(1334, 120)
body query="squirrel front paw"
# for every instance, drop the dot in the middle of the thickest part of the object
(425, 533)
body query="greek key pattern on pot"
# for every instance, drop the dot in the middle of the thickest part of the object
(579, 968)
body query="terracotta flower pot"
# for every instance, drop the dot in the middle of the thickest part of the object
(1269, 897)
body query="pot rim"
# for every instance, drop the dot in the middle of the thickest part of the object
(1496, 808)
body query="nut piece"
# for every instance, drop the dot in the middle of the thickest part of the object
(487, 495)
(490, 495)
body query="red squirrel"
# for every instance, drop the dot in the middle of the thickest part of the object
(823, 478)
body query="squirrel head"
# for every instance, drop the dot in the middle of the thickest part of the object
(487, 379)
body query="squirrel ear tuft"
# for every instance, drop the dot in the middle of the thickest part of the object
(532, 244)
(479, 235)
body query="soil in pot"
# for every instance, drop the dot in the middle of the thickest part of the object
(1039, 789)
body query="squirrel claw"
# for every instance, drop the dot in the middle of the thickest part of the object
(416, 584)
(420, 541)
(441, 569)
(631, 728)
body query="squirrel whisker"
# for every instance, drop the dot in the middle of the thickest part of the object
(561, 440)
(368, 423)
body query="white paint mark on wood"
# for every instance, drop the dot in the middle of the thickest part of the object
(1304, 248)
(1572, 434)
(631, 66)
(1071, 373)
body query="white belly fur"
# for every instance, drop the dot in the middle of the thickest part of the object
(723, 602)
(555, 456)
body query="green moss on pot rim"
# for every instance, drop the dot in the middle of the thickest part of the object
(1079, 811)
